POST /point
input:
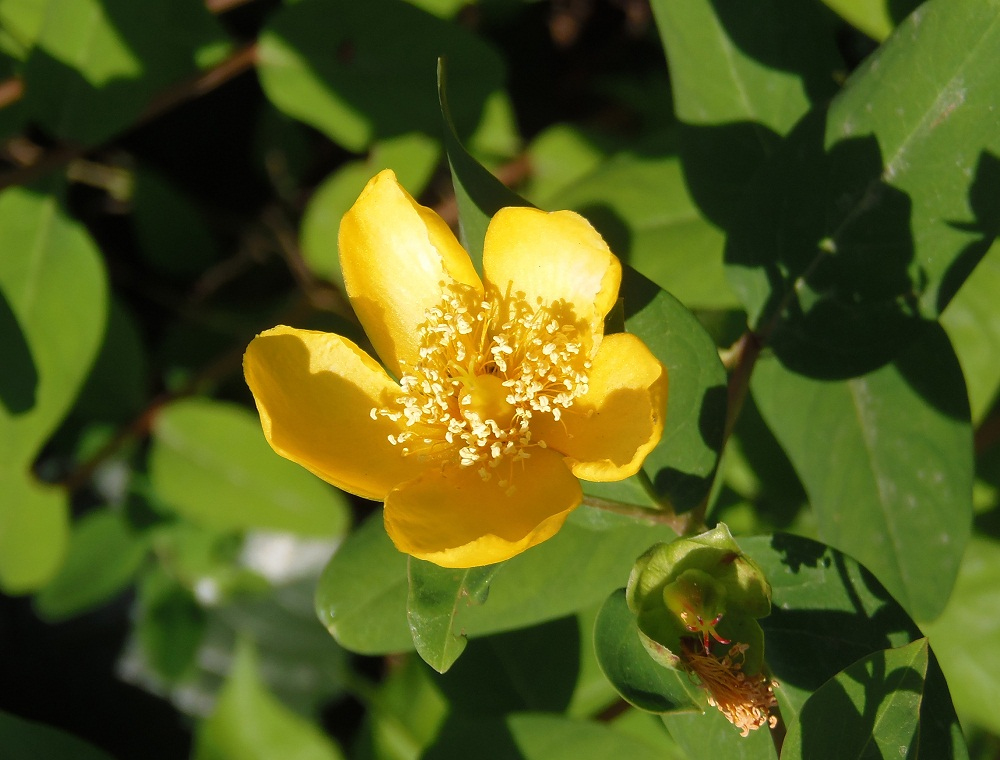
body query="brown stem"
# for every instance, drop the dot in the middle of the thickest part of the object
(237, 63)
(11, 91)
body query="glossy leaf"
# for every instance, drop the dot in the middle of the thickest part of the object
(103, 557)
(766, 62)
(210, 463)
(887, 462)
(22, 739)
(681, 467)
(875, 210)
(877, 703)
(97, 64)
(52, 314)
(248, 723)
(361, 597)
(965, 637)
(434, 604)
(627, 665)
(371, 75)
(829, 612)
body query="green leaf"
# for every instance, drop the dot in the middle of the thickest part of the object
(97, 64)
(682, 466)
(829, 612)
(479, 194)
(210, 463)
(639, 202)
(104, 555)
(434, 604)
(876, 702)
(250, 724)
(766, 62)
(536, 736)
(972, 321)
(711, 735)
(628, 666)
(117, 387)
(52, 312)
(22, 739)
(370, 75)
(876, 18)
(965, 636)
(886, 459)
(171, 625)
(361, 597)
(875, 210)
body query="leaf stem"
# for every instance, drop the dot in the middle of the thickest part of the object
(678, 523)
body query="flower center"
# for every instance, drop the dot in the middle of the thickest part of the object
(485, 397)
(485, 369)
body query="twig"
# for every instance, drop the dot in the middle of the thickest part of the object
(678, 523)
(11, 91)
(240, 61)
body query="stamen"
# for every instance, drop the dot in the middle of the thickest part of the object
(485, 368)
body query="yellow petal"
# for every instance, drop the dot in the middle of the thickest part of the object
(553, 256)
(608, 431)
(315, 392)
(394, 254)
(452, 517)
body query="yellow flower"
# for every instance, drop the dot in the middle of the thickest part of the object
(508, 389)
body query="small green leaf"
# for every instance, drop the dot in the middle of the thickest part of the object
(625, 662)
(876, 702)
(371, 74)
(22, 739)
(210, 463)
(362, 594)
(876, 18)
(104, 555)
(434, 605)
(250, 724)
(682, 466)
(886, 459)
(171, 625)
(479, 194)
(710, 735)
(34, 532)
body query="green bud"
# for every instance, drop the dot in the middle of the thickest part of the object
(700, 592)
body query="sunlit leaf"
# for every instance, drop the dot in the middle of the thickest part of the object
(96, 64)
(210, 463)
(52, 314)
(876, 209)
(434, 604)
(371, 74)
(248, 723)
(965, 638)
(877, 701)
